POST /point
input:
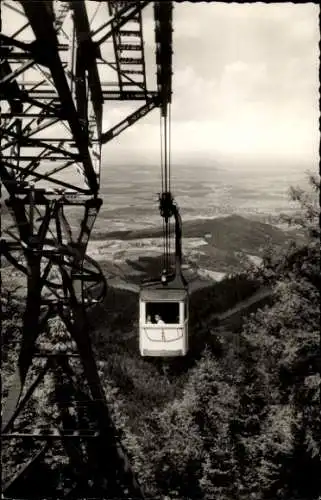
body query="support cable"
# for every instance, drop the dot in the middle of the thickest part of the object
(162, 181)
(166, 211)
(161, 151)
(168, 180)
(169, 168)
(166, 188)
(169, 146)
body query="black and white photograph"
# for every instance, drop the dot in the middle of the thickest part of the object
(160, 250)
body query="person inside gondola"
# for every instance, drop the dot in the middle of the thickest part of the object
(149, 319)
(159, 320)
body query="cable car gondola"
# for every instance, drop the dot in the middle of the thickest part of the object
(163, 304)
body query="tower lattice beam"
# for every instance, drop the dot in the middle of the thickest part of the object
(60, 64)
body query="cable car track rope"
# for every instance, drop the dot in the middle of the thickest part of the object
(165, 144)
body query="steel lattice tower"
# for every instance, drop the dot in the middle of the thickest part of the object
(53, 94)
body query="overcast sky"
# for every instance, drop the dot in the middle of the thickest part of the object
(245, 87)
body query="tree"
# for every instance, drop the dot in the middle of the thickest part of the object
(285, 341)
(186, 447)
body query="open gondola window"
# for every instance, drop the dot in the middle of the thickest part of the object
(168, 312)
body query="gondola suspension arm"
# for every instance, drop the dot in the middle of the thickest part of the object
(168, 207)
(165, 213)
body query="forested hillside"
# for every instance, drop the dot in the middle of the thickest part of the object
(246, 422)
(239, 417)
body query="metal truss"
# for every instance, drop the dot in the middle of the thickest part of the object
(54, 58)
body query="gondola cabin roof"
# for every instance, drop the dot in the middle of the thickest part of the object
(163, 295)
(174, 290)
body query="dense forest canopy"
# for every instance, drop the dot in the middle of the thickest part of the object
(247, 422)
(241, 418)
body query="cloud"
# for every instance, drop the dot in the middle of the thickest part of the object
(245, 84)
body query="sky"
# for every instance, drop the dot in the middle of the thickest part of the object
(245, 88)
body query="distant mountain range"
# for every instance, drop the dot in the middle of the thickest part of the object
(232, 232)
(226, 246)
(212, 249)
